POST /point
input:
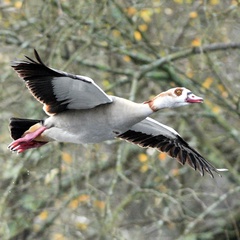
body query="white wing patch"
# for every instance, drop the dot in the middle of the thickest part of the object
(154, 128)
(79, 93)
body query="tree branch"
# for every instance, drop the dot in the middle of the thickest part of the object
(210, 209)
(185, 53)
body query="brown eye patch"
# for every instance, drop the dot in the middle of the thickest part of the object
(178, 91)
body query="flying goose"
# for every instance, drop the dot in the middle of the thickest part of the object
(81, 112)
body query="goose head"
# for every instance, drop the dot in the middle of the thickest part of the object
(174, 97)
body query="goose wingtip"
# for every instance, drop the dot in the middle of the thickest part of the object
(222, 169)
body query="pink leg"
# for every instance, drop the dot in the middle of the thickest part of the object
(27, 142)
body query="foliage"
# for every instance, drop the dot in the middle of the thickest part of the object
(114, 190)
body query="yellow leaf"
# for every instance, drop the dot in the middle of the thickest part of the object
(163, 52)
(126, 58)
(144, 168)
(82, 226)
(84, 198)
(100, 204)
(216, 109)
(183, 1)
(175, 172)
(143, 27)
(51, 176)
(168, 11)
(157, 201)
(162, 156)
(171, 225)
(58, 236)
(142, 157)
(193, 14)
(36, 227)
(157, 9)
(74, 204)
(104, 43)
(81, 222)
(137, 36)
(234, 2)
(190, 73)
(116, 33)
(146, 14)
(106, 83)
(178, 1)
(214, 2)
(196, 42)
(162, 188)
(18, 4)
(222, 90)
(207, 83)
(67, 158)
(63, 168)
(131, 11)
(43, 215)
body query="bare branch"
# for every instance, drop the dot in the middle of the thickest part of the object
(185, 53)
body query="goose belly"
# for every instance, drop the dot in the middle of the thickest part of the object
(89, 126)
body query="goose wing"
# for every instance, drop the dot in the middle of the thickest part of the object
(58, 90)
(150, 133)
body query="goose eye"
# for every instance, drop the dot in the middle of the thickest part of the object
(178, 91)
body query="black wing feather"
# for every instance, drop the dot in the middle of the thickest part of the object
(176, 148)
(36, 76)
(58, 90)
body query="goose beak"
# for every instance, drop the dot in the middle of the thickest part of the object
(191, 98)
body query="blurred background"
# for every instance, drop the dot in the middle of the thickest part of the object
(115, 190)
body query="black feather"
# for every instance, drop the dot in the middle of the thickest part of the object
(174, 147)
(18, 126)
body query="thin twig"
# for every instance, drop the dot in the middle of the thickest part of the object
(210, 209)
